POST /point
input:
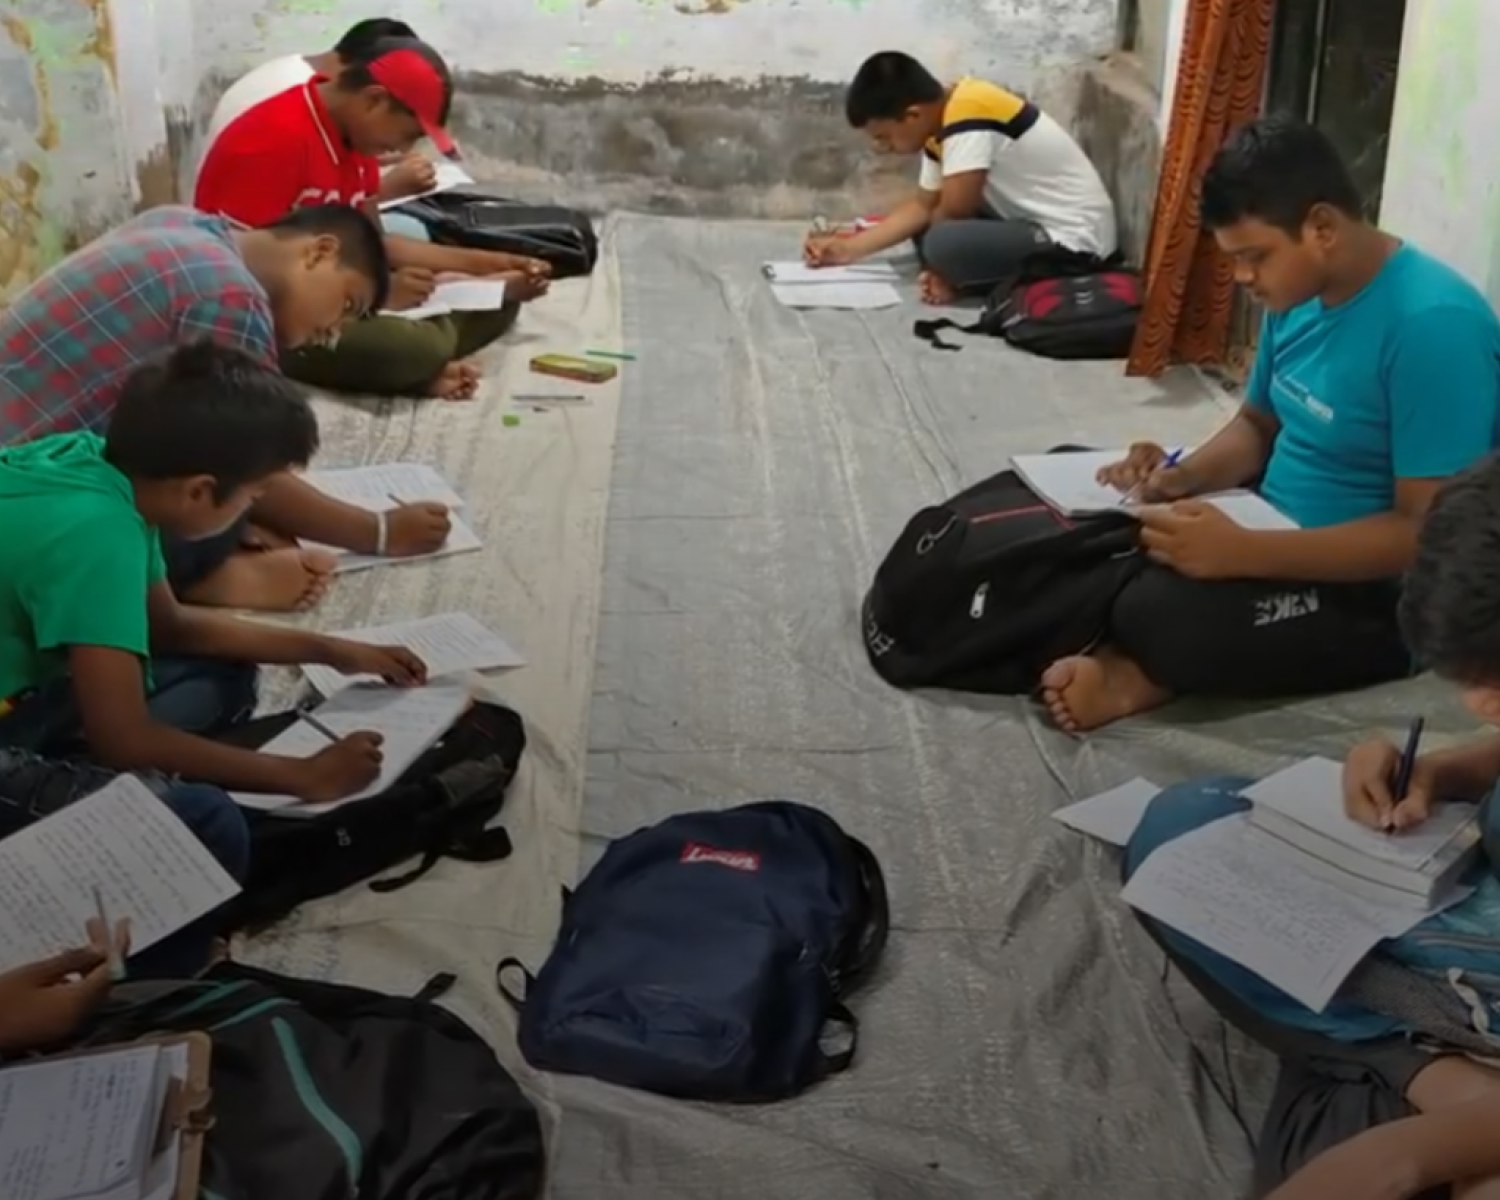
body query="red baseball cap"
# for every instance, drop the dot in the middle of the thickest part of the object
(416, 77)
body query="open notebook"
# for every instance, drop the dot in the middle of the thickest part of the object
(118, 1123)
(1068, 482)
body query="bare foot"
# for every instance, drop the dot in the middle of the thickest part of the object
(291, 580)
(522, 287)
(258, 537)
(456, 381)
(1088, 691)
(935, 289)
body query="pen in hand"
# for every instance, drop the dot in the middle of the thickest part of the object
(1166, 465)
(319, 726)
(1402, 783)
(112, 957)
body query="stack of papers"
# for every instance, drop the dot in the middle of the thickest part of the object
(1303, 807)
(91, 1127)
(861, 286)
(448, 643)
(457, 295)
(385, 486)
(411, 720)
(1068, 483)
(1299, 921)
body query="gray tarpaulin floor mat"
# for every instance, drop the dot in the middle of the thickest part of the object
(1023, 1039)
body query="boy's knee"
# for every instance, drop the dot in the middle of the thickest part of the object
(1182, 809)
(1149, 624)
(941, 248)
(216, 821)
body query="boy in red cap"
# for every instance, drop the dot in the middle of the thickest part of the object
(320, 143)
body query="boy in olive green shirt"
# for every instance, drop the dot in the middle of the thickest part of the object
(85, 606)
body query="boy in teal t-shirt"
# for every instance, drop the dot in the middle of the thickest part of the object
(85, 606)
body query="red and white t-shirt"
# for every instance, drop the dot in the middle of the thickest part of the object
(281, 154)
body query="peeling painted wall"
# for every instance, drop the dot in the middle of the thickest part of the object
(1442, 175)
(629, 41)
(82, 137)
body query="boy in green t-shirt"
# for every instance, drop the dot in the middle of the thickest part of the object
(84, 602)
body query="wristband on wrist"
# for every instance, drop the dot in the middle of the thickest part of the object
(382, 534)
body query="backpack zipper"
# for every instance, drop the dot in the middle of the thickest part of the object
(334, 1125)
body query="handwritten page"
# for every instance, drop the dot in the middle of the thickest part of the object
(146, 864)
(1111, 816)
(1232, 888)
(457, 295)
(411, 720)
(449, 175)
(1311, 793)
(852, 296)
(373, 487)
(798, 273)
(81, 1127)
(447, 643)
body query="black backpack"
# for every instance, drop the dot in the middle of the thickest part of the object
(1089, 316)
(982, 593)
(327, 1092)
(440, 808)
(708, 956)
(556, 234)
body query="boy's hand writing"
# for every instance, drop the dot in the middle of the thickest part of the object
(44, 1002)
(1195, 539)
(419, 528)
(411, 287)
(412, 175)
(394, 664)
(348, 766)
(1369, 772)
(1142, 471)
(827, 250)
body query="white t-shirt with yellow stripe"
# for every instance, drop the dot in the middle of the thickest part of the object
(1036, 171)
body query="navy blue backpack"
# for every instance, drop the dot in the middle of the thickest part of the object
(708, 957)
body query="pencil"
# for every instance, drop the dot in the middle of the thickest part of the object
(111, 948)
(1402, 783)
(610, 354)
(319, 726)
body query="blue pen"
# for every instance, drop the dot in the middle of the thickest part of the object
(1167, 464)
(1402, 783)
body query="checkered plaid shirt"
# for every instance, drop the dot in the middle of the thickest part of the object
(69, 341)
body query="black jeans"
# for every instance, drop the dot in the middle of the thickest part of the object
(190, 563)
(1258, 638)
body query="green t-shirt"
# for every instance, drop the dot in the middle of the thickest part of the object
(76, 558)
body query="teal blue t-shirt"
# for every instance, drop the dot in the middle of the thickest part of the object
(1400, 382)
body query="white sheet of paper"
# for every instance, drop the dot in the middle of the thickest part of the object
(461, 540)
(146, 864)
(457, 295)
(410, 719)
(1110, 816)
(379, 486)
(449, 175)
(447, 643)
(1311, 793)
(797, 273)
(853, 296)
(79, 1127)
(1233, 888)
(1249, 511)
(1067, 482)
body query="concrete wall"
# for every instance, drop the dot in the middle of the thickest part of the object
(1442, 175)
(713, 106)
